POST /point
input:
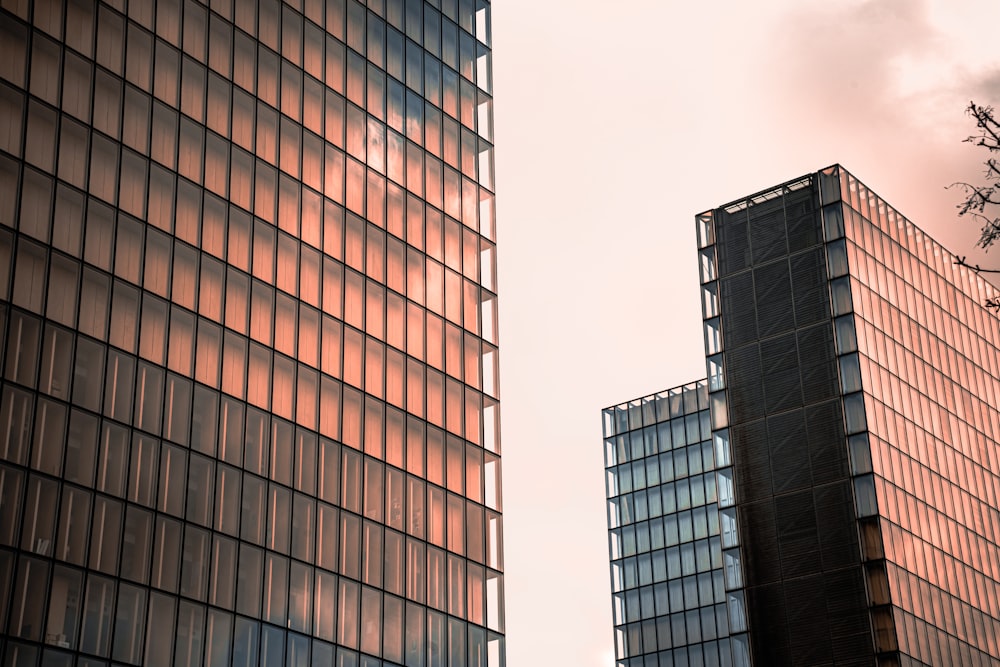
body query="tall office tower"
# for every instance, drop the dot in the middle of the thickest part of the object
(248, 411)
(854, 374)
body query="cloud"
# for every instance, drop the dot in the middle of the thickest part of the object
(987, 88)
(898, 62)
(881, 86)
(840, 63)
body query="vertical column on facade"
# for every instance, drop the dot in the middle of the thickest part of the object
(711, 313)
(615, 425)
(835, 188)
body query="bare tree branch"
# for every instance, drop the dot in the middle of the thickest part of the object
(986, 123)
(992, 303)
(982, 202)
(977, 199)
(961, 261)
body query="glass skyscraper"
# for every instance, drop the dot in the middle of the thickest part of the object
(249, 403)
(853, 382)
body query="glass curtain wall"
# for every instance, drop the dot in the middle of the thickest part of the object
(669, 590)
(919, 365)
(249, 400)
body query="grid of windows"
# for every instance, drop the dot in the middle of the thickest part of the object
(669, 594)
(917, 341)
(851, 398)
(247, 289)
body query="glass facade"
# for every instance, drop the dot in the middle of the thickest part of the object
(853, 377)
(920, 370)
(249, 402)
(667, 477)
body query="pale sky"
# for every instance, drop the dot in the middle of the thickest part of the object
(615, 124)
